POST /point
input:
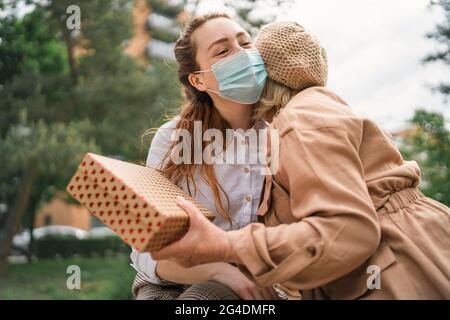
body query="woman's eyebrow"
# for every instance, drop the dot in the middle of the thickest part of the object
(225, 39)
(242, 33)
(217, 42)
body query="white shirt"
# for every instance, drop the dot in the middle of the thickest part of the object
(242, 182)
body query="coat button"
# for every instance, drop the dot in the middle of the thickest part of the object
(246, 170)
(311, 251)
(248, 198)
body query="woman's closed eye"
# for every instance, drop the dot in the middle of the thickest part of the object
(223, 52)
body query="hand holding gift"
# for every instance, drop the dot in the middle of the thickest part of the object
(194, 248)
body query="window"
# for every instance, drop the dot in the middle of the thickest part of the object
(48, 220)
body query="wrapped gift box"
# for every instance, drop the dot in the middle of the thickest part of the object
(136, 202)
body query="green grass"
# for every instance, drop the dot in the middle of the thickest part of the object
(101, 278)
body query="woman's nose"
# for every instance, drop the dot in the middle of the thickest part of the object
(236, 48)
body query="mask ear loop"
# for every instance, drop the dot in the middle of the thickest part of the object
(208, 89)
(202, 71)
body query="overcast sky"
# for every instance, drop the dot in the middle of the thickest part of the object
(375, 50)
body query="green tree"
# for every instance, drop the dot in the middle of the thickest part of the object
(33, 70)
(31, 152)
(100, 101)
(429, 143)
(441, 35)
(430, 146)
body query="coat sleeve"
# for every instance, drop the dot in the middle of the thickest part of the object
(337, 226)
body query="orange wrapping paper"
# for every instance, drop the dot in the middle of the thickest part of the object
(136, 202)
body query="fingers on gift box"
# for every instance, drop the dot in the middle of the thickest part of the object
(136, 202)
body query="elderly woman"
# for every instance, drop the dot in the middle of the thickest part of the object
(343, 215)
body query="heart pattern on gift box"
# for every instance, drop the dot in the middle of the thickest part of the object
(136, 202)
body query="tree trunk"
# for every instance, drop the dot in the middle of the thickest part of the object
(32, 214)
(72, 68)
(15, 216)
(70, 54)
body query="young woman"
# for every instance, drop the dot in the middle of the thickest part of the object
(344, 218)
(215, 57)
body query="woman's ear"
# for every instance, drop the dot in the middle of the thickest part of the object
(197, 82)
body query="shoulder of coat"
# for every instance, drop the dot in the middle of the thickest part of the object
(313, 108)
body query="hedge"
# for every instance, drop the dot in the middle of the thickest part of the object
(50, 247)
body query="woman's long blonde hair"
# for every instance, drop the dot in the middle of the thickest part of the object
(198, 106)
(274, 97)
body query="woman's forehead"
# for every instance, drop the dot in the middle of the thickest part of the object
(214, 30)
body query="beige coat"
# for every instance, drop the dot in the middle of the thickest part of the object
(343, 207)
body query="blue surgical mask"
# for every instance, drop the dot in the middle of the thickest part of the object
(241, 77)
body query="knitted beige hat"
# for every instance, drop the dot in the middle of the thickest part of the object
(292, 56)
